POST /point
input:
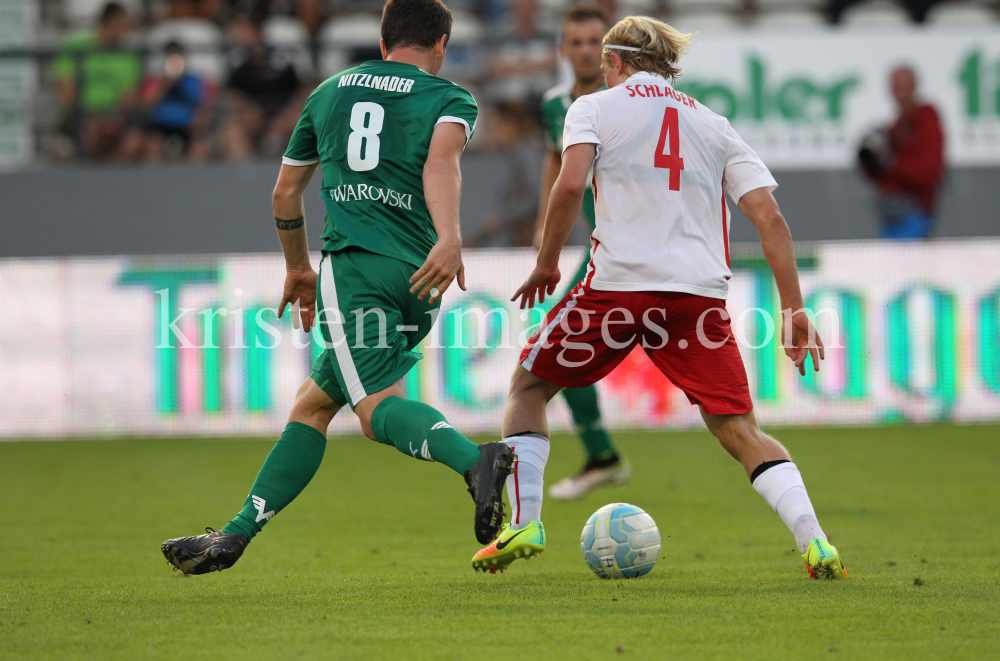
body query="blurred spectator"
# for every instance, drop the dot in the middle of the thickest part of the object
(524, 58)
(511, 136)
(204, 9)
(97, 87)
(265, 95)
(177, 101)
(611, 10)
(918, 8)
(310, 12)
(906, 160)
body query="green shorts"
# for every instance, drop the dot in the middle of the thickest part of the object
(370, 323)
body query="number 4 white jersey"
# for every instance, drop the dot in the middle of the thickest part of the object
(663, 160)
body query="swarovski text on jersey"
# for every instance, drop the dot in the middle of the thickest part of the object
(352, 192)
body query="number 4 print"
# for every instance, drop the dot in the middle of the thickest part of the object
(670, 160)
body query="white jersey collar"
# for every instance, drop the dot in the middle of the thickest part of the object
(646, 74)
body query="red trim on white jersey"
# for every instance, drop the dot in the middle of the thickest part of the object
(725, 226)
(590, 267)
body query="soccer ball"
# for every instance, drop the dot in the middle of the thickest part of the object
(620, 541)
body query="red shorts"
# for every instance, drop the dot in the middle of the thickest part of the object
(590, 332)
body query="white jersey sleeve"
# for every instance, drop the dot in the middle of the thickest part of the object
(744, 171)
(581, 123)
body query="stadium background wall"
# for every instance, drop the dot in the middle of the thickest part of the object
(89, 351)
(187, 209)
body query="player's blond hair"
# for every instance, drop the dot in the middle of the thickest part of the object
(661, 45)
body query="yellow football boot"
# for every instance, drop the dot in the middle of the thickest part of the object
(509, 546)
(822, 560)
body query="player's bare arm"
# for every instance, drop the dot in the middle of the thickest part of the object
(550, 171)
(564, 208)
(776, 239)
(289, 219)
(443, 192)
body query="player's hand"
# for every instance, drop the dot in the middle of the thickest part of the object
(542, 281)
(300, 293)
(804, 341)
(442, 267)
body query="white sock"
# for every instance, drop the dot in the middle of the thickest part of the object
(527, 482)
(782, 487)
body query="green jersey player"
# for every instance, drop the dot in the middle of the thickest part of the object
(388, 137)
(583, 29)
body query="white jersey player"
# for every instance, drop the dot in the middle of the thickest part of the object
(662, 166)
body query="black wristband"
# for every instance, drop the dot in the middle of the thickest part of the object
(293, 224)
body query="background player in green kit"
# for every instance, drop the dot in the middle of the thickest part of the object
(388, 137)
(583, 29)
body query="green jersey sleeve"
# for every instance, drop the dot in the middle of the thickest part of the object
(302, 146)
(460, 108)
(551, 128)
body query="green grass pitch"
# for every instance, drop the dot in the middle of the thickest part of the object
(372, 561)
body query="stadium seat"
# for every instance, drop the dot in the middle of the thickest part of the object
(84, 13)
(877, 14)
(792, 19)
(637, 7)
(202, 37)
(466, 52)
(704, 22)
(704, 6)
(343, 39)
(466, 30)
(288, 33)
(550, 13)
(789, 5)
(961, 15)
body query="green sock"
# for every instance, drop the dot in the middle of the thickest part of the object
(287, 470)
(587, 418)
(421, 432)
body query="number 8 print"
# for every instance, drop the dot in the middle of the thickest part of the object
(364, 138)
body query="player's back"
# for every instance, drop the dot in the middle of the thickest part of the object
(370, 127)
(662, 221)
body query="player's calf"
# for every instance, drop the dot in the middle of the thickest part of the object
(779, 482)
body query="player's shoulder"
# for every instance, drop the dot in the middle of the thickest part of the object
(593, 102)
(333, 81)
(606, 95)
(444, 87)
(702, 113)
(558, 93)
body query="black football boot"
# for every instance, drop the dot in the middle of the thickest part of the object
(486, 480)
(213, 551)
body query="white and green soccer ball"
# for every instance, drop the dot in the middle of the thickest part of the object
(620, 541)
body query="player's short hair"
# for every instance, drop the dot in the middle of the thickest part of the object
(414, 23)
(110, 11)
(585, 13)
(661, 46)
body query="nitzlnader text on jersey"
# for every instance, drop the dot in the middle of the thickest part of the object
(370, 129)
(662, 162)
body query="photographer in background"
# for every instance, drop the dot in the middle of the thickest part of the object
(906, 161)
(177, 100)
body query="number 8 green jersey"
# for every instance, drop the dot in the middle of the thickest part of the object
(370, 129)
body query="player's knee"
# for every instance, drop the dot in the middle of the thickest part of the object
(524, 383)
(366, 427)
(313, 406)
(733, 431)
